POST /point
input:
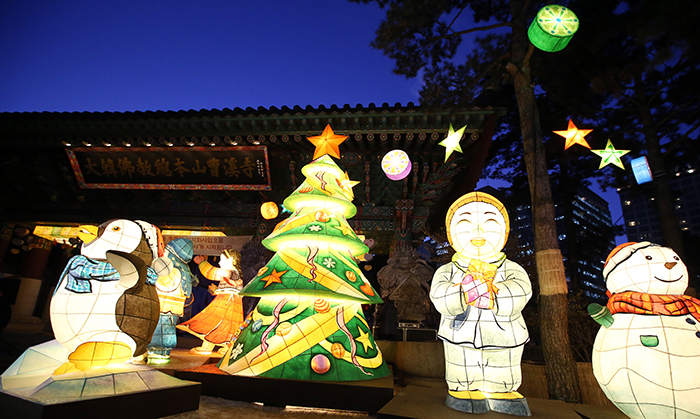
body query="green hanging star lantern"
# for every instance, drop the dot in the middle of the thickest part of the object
(609, 155)
(451, 142)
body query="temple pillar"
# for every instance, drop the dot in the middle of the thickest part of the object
(404, 211)
(31, 271)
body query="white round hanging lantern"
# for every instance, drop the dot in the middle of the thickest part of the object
(396, 164)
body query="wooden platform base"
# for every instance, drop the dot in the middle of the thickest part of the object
(114, 391)
(365, 396)
(146, 404)
(415, 402)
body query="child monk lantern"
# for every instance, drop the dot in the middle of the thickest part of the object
(480, 295)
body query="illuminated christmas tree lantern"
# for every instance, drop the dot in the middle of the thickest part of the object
(553, 28)
(309, 323)
(269, 210)
(396, 164)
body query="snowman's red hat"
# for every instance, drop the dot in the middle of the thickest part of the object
(621, 253)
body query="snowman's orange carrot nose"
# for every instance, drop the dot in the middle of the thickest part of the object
(670, 265)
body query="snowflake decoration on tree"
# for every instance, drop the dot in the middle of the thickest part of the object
(315, 228)
(237, 350)
(329, 263)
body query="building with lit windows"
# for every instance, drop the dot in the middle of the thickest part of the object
(585, 238)
(639, 209)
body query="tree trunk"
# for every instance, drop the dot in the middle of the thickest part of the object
(663, 196)
(560, 367)
(568, 194)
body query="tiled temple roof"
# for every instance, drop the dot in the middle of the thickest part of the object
(369, 127)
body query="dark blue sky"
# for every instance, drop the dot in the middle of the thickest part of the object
(87, 55)
(138, 55)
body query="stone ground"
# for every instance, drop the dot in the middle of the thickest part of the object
(216, 408)
(410, 401)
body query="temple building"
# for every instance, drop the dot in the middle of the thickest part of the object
(204, 174)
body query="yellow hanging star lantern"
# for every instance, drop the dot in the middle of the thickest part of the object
(327, 143)
(610, 155)
(574, 135)
(346, 184)
(451, 142)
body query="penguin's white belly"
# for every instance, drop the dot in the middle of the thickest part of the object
(649, 365)
(90, 317)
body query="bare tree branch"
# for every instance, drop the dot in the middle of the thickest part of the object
(449, 27)
(466, 31)
(677, 109)
(682, 138)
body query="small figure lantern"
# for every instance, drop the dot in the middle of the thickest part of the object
(480, 295)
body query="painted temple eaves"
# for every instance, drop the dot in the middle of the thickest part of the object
(39, 176)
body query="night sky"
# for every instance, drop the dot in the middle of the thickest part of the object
(91, 55)
(87, 55)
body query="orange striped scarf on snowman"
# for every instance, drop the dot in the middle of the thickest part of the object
(659, 304)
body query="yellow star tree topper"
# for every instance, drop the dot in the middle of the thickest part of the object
(451, 142)
(574, 135)
(327, 143)
(610, 155)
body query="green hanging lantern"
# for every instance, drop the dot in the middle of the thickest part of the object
(553, 28)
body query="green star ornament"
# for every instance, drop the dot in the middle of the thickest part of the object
(451, 142)
(610, 155)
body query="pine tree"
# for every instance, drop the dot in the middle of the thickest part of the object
(309, 323)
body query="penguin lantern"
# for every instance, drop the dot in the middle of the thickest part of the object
(105, 307)
(646, 357)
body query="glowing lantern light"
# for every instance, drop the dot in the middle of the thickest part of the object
(574, 135)
(308, 323)
(269, 210)
(105, 307)
(610, 155)
(470, 293)
(173, 290)
(641, 170)
(218, 322)
(645, 355)
(451, 142)
(396, 164)
(553, 28)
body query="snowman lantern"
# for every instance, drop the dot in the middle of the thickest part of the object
(647, 354)
(480, 296)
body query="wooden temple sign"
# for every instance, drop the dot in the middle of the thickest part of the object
(204, 168)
